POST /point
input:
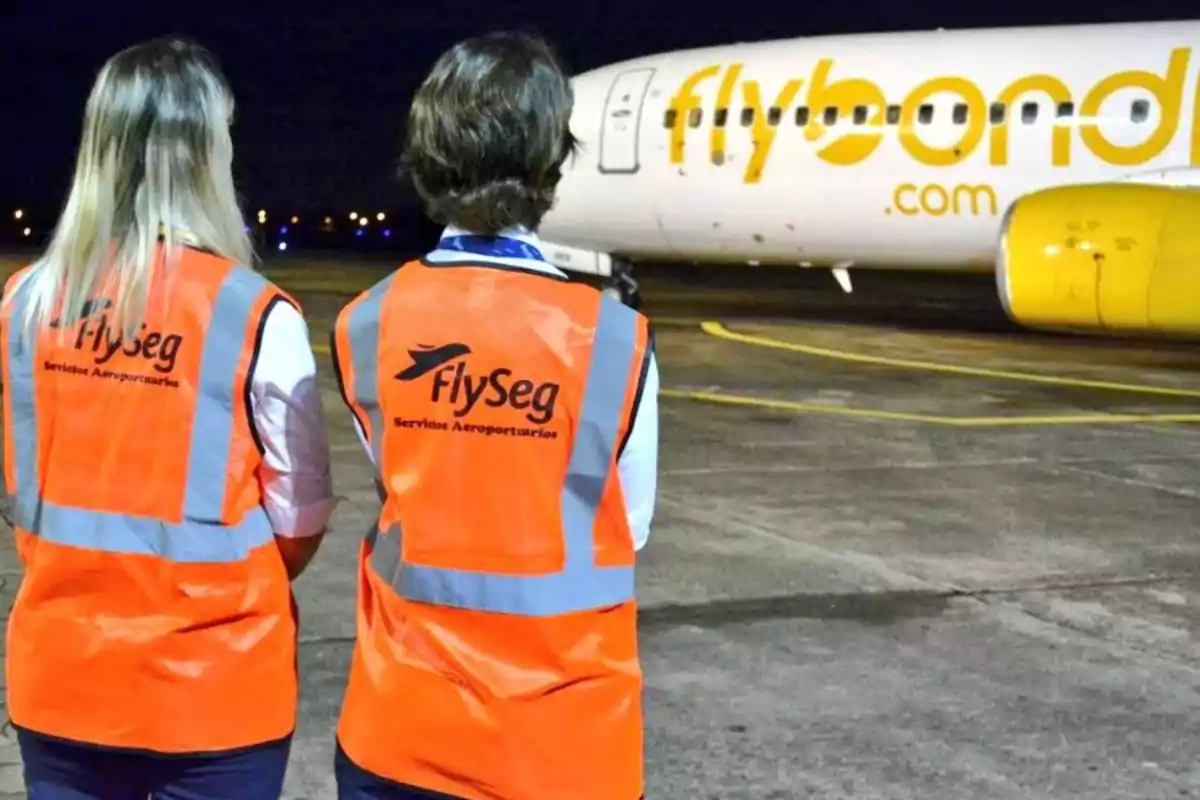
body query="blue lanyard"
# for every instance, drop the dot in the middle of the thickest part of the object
(494, 246)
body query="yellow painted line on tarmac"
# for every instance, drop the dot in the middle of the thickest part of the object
(722, 398)
(719, 331)
(676, 322)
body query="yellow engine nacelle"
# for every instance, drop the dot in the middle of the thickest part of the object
(1117, 257)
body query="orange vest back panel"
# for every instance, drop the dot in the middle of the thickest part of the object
(155, 608)
(497, 646)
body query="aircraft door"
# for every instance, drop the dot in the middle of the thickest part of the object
(622, 120)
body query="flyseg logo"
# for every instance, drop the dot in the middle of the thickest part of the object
(451, 383)
(98, 335)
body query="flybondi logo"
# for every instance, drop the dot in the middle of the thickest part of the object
(98, 336)
(452, 384)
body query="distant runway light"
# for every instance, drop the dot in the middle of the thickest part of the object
(295, 220)
(387, 232)
(284, 229)
(353, 215)
(18, 213)
(380, 216)
(362, 221)
(358, 232)
(329, 220)
(283, 245)
(26, 232)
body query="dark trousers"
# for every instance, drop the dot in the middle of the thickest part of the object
(355, 783)
(56, 769)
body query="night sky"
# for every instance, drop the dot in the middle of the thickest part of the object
(322, 95)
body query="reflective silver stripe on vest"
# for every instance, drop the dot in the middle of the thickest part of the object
(201, 536)
(581, 585)
(363, 326)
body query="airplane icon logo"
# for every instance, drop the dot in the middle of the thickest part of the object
(428, 358)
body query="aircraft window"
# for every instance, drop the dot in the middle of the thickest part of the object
(1140, 110)
(747, 117)
(1029, 113)
(669, 118)
(860, 115)
(925, 114)
(893, 115)
(774, 114)
(1066, 109)
(830, 115)
(960, 113)
(694, 117)
(720, 117)
(801, 116)
(996, 115)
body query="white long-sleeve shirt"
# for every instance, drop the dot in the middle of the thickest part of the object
(285, 409)
(637, 466)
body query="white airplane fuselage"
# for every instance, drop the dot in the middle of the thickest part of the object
(900, 150)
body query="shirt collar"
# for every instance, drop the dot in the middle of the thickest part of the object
(519, 233)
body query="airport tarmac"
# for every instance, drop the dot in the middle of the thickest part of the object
(902, 550)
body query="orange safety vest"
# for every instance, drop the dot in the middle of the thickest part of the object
(155, 611)
(496, 654)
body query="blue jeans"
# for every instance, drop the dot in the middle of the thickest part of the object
(56, 769)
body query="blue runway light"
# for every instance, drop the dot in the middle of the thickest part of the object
(283, 245)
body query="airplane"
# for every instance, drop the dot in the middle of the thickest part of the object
(1065, 159)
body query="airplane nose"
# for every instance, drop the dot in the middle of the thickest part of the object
(607, 202)
(569, 215)
(590, 89)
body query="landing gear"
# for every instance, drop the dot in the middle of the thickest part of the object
(622, 286)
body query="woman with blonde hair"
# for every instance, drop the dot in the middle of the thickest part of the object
(160, 511)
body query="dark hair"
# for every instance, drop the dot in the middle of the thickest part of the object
(489, 131)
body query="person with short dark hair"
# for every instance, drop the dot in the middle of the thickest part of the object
(511, 415)
(488, 133)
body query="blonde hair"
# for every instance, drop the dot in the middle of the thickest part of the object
(155, 162)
